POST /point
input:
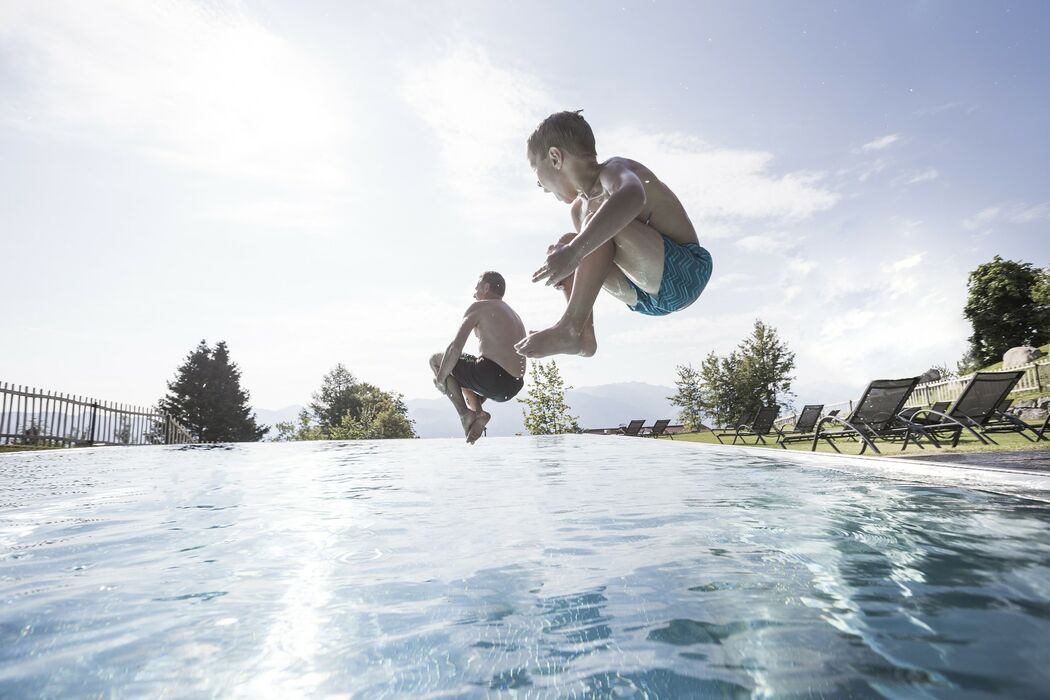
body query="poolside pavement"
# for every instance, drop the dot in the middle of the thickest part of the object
(1033, 460)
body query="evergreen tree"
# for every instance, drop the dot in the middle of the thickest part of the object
(347, 409)
(1007, 306)
(207, 398)
(547, 412)
(758, 373)
(688, 397)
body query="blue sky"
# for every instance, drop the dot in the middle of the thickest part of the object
(323, 183)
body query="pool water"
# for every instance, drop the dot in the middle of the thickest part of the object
(571, 566)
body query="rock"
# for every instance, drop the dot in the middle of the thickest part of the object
(931, 375)
(1021, 355)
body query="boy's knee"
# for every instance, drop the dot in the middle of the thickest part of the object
(567, 238)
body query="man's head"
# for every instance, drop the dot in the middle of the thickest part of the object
(559, 145)
(491, 285)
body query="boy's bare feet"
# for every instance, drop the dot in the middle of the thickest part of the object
(478, 426)
(559, 339)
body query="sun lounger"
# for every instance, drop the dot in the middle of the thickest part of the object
(976, 410)
(659, 427)
(875, 416)
(759, 427)
(804, 424)
(633, 428)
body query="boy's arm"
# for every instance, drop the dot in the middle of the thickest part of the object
(455, 348)
(626, 201)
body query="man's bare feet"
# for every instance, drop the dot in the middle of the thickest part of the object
(478, 426)
(558, 340)
(467, 419)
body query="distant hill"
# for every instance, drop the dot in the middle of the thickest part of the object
(604, 406)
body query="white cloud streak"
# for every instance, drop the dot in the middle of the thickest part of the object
(881, 143)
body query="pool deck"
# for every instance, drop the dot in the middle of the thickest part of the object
(1029, 460)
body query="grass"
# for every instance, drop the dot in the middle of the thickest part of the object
(23, 448)
(1008, 442)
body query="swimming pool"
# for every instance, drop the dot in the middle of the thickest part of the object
(571, 566)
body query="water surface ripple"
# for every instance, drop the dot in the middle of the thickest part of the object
(570, 566)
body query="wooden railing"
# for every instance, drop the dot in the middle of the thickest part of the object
(45, 418)
(1036, 378)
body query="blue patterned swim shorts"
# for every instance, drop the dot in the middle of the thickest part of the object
(687, 268)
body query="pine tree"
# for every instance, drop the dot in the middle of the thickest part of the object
(688, 397)
(758, 373)
(207, 398)
(547, 412)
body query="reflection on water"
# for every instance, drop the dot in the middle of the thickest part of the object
(565, 567)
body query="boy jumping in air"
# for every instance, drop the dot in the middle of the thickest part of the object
(632, 237)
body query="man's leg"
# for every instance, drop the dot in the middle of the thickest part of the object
(573, 334)
(455, 394)
(481, 417)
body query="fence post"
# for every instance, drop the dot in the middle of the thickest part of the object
(94, 408)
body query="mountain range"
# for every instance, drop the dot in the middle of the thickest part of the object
(603, 406)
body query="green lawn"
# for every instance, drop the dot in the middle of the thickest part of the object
(1008, 442)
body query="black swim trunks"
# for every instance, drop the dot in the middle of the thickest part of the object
(486, 378)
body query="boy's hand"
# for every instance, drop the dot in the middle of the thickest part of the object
(561, 262)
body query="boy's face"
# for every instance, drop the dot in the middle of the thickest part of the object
(481, 290)
(551, 177)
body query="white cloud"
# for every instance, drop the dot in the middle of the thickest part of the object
(917, 176)
(198, 86)
(763, 244)
(721, 183)
(906, 263)
(881, 142)
(482, 114)
(981, 218)
(1011, 213)
(1027, 215)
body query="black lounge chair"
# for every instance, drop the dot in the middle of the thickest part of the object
(761, 425)
(937, 408)
(977, 410)
(658, 428)
(633, 428)
(875, 416)
(803, 427)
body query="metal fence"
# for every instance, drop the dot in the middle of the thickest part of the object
(33, 417)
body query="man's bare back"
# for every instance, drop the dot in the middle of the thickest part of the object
(499, 328)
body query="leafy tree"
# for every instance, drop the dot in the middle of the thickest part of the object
(347, 409)
(758, 373)
(207, 398)
(547, 413)
(1008, 304)
(688, 398)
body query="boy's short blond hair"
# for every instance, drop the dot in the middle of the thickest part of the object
(568, 131)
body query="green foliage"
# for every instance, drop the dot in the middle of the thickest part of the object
(688, 397)
(547, 412)
(347, 409)
(758, 373)
(207, 398)
(1008, 305)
